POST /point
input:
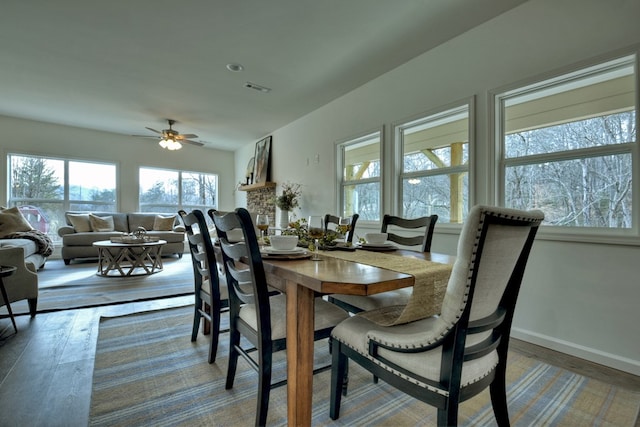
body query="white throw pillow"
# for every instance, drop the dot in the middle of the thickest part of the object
(101, 223)
(11, 221)
(80, 222)
(164, 223)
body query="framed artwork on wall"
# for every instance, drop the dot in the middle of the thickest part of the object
(261, 170)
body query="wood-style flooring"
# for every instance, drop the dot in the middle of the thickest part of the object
(46, 368)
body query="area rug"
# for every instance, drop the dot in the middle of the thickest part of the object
(147, 372)
(63, 287)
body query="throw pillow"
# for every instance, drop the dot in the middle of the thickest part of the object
(11, 221)
(80, 222)
(101, 223)
(164, 223)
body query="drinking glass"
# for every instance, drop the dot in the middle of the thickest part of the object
(315, 229)
(344, 226)
(262, 223)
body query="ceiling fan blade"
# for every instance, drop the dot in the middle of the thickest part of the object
(146, 136)
(187, 141)
(153, 130)
(187, 136)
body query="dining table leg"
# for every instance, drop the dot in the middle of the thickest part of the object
(300, 327)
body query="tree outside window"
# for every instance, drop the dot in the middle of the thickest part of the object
(568, 144)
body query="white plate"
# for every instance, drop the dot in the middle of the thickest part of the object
(295, 251)
(377, 245)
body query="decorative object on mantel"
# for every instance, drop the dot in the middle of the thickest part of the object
(261, 170)
(287, 201)
(249, 172)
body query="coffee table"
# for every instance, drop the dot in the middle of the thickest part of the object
(129, 259)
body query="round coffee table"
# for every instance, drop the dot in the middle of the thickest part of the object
(129, 259)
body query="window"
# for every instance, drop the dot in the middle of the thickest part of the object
(434, 174)
(567, 146)
(360, 177)
(44, 188)
(167, 191)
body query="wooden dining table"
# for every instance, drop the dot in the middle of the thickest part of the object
(304, 280)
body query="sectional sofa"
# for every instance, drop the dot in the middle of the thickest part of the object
(84, 228)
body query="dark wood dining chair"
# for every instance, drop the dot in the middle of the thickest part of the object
(391, 223)
(446, 359)
(255, 313)
(332, 219)
(358, 303)
(210, 289)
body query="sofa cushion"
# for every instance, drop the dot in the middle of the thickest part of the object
(87, 239)
(30, 247)
(144, 220)
(120, 222)
(101, 223)
(11, 221)
(164, 223)
(80, 222)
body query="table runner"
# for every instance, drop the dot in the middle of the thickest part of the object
(431, 279)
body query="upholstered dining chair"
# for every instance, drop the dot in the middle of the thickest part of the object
(358, 303)
(332, 219)
(254, 314)
(448, 358)
(210, 287)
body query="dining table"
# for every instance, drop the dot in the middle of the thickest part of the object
(302, 280)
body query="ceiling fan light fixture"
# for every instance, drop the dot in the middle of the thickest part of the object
(170, 144)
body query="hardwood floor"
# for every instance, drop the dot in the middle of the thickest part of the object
(46, 368)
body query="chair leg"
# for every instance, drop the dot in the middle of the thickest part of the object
(234, 341)
(215, 332)
(338, 372)
(196, 321)
(33, 306)
(499, 398)
(448, 416)
(206, 328)
(264, 387)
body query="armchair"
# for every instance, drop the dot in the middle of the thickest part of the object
(23, 284)
(444, 360)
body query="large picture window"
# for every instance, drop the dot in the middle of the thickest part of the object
(360, 177)
(44, 188)
(434, 175)
(568, 146)
(167, 191)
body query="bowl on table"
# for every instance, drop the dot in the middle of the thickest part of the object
(283, 243)
(376, 238)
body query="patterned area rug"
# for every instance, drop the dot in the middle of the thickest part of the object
(62, 287)
(147, 372)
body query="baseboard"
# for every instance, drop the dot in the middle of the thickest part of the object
(603, 358)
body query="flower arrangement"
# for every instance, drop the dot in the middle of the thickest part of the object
(299, 228)
(289, 197)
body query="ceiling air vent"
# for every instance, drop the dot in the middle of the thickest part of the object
(257, 87)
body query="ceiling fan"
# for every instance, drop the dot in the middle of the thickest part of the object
(171, 139)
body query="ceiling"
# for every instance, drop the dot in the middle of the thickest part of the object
(122, 65)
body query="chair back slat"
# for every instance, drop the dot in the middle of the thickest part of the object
(424, 241)
(333, 219)
(202, 254)
(243, 266)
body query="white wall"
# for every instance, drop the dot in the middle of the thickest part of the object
(129, 153)
(577, 297)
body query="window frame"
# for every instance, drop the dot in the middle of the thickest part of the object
(180, 204)
(65, 201)
(398, 150)
(342, 183)
(500, 163)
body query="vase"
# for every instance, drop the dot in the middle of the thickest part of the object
(284, 219)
